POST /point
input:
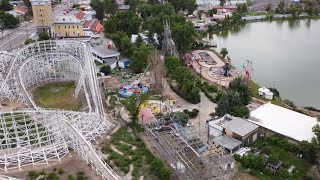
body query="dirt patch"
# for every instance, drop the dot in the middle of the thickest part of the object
(9, 106)
(71, 164)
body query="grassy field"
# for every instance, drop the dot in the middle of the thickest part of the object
(254, 89)
(301, 165)
(58, 96)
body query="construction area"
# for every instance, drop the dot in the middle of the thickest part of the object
(187, 153)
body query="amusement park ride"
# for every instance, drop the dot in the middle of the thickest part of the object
(247, 70)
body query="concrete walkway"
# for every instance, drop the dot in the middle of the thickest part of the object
(205, 107)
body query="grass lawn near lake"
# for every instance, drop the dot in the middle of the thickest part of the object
(302, 166)
(57, 96)
(254, 87)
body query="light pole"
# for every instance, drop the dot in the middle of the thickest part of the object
(200, 73)
(26, 25)
(199, 118)
(9, 41)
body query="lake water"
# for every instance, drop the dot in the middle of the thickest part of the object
(285, 54)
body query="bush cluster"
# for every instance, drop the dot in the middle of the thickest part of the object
(188, 85)
(191, 114)
(208, 89)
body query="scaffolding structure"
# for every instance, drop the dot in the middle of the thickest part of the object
(187, 154)
(36, 136)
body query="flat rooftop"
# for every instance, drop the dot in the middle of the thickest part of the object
(104, 52)
(239, 126)
(283, 121)
(227, 142)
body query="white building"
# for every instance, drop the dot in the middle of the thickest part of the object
(273, 119)
(105, 55)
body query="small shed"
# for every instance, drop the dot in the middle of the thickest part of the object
(124, 63)
(230, 144)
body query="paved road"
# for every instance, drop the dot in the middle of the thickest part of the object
(14, 38)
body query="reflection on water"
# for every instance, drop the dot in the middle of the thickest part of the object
(293, 24)
(284, 51)
(308, 23)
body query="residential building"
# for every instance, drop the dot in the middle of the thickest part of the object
(240, 129)
(232, 133)
(76, 23)
(273, 119)
(42, 14)
(67, 26)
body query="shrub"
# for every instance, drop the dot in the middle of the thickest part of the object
(312, 108)
(70, 177)
(211, 88)
(105, 69)
(60, 171)
(191, 114)
(52, 176)
(33, 174)
(240, 111)
(289, 103)
(183, 117)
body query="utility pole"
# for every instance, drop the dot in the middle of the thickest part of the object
(26, 26)
(200, 73)
(9, 41)
(199, 118)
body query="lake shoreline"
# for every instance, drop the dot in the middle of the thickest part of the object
(231, 33)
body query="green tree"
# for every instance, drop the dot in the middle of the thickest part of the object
(189, 5)
(116, 38)
(222, 3)
(280, 8)
(5, 5)
(212, 11)
(132, 3)
(240, 111)
(126, 21)
(28, 41)
(27, 3)
(132, 105)
(75, 6)
(249, 2)
(139, 41)
(139, 60)
(99, 7)
(111, 6)
(227, 102)
(105, 69)
(188, 83)
(127, 48)
(43, 36)
(8, 20)
(224, 52)
(295, 10)
(269, 7)
(183, 35)
(242, 8)
(241, 87)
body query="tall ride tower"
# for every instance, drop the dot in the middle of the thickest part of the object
(168, 46)
(43, 15)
